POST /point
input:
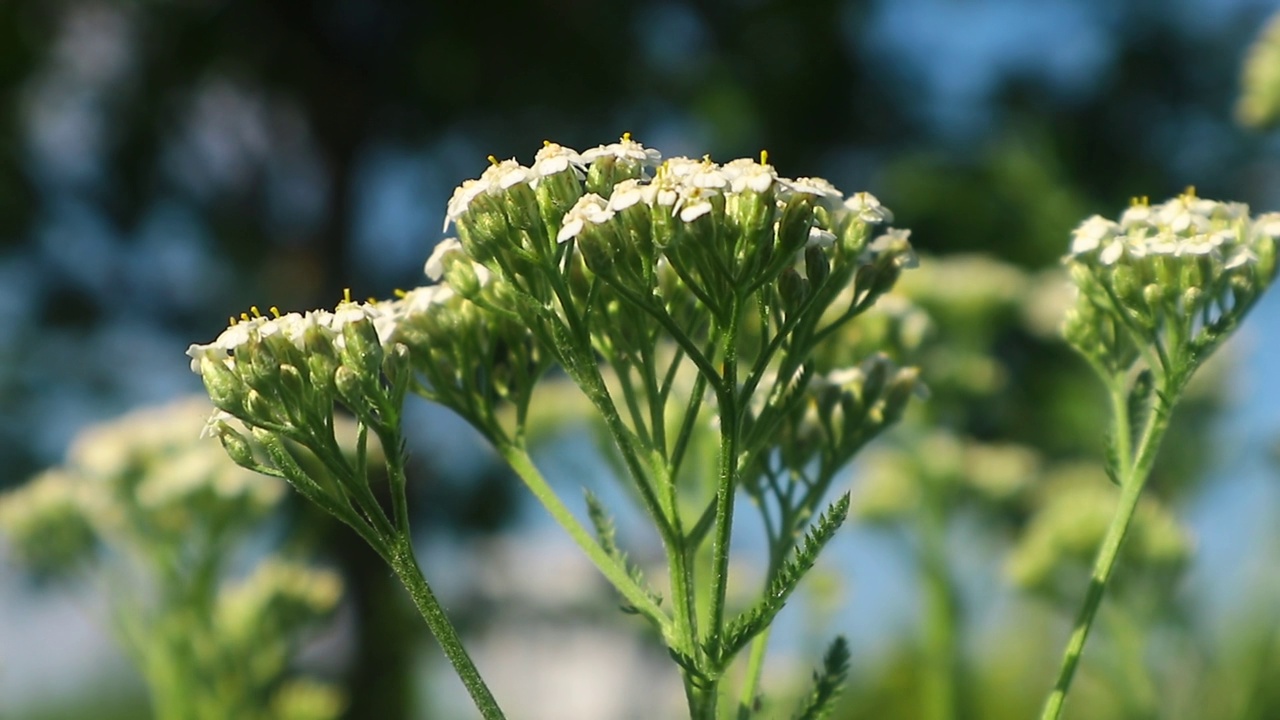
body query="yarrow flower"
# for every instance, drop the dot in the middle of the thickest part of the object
(554, 158)
(590, 209)
(624, 149)
(1175, 277)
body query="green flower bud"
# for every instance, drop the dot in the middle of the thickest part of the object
(1126, 284)
(792, 288)
(793, 226)
(1265, 250)
(320, 369)
(397, 365)
(905, 383)
(225, 388)
(258, 409)
(1192, 298)
(255, 365)
(816, 265)
(237, 447)
(293, 385)
(363, 349)
(597, 250)
(350, 389)
(464, 277)
(1152, 297)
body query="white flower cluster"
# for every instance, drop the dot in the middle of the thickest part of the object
(144, 477)
(684, 186)
(294, 328)
(1175, 278)
(1185, 225)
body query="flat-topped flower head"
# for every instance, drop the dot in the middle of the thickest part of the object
(1178, 275)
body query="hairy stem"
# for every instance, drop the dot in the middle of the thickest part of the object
(406, 568)
(1133, 476)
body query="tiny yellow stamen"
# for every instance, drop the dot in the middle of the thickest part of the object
(232, 321)
(371, 300)
(245, 317)
(254, 310)
(764, 157)
(626, 137)
(493, 160)
(400, 293)
(275, 311)
(346, 295)
(1140, 201)
(546, 143)
(1190, 192)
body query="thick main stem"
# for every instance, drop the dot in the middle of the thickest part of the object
(726, 485)
(406, 568)
(1133, 476)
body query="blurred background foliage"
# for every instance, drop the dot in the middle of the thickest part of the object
(165, 164)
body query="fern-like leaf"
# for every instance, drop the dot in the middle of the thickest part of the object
(751, 622)
(827, 682)
(607, 536)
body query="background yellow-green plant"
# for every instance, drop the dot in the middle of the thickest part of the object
(196, 158)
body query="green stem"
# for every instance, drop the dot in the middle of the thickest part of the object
(406, 568)
(755, 668)
(520, 461)
(726, 484)
(1132, 479)
(939, 617)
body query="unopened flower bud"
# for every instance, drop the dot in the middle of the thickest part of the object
(396, 365)
(816, 265)
(1192, 297)
(349, 387)
(1126, 284)
(258, 408)
(225, 388)
(905, 383)
(793, 226)
(793, 288)
(363, 349)
(293, 385)
(237, 447)
(1152, 295)
(320, 369)
(876, 373)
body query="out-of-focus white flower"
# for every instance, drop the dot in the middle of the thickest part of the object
(868, 209)
(434, 267)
